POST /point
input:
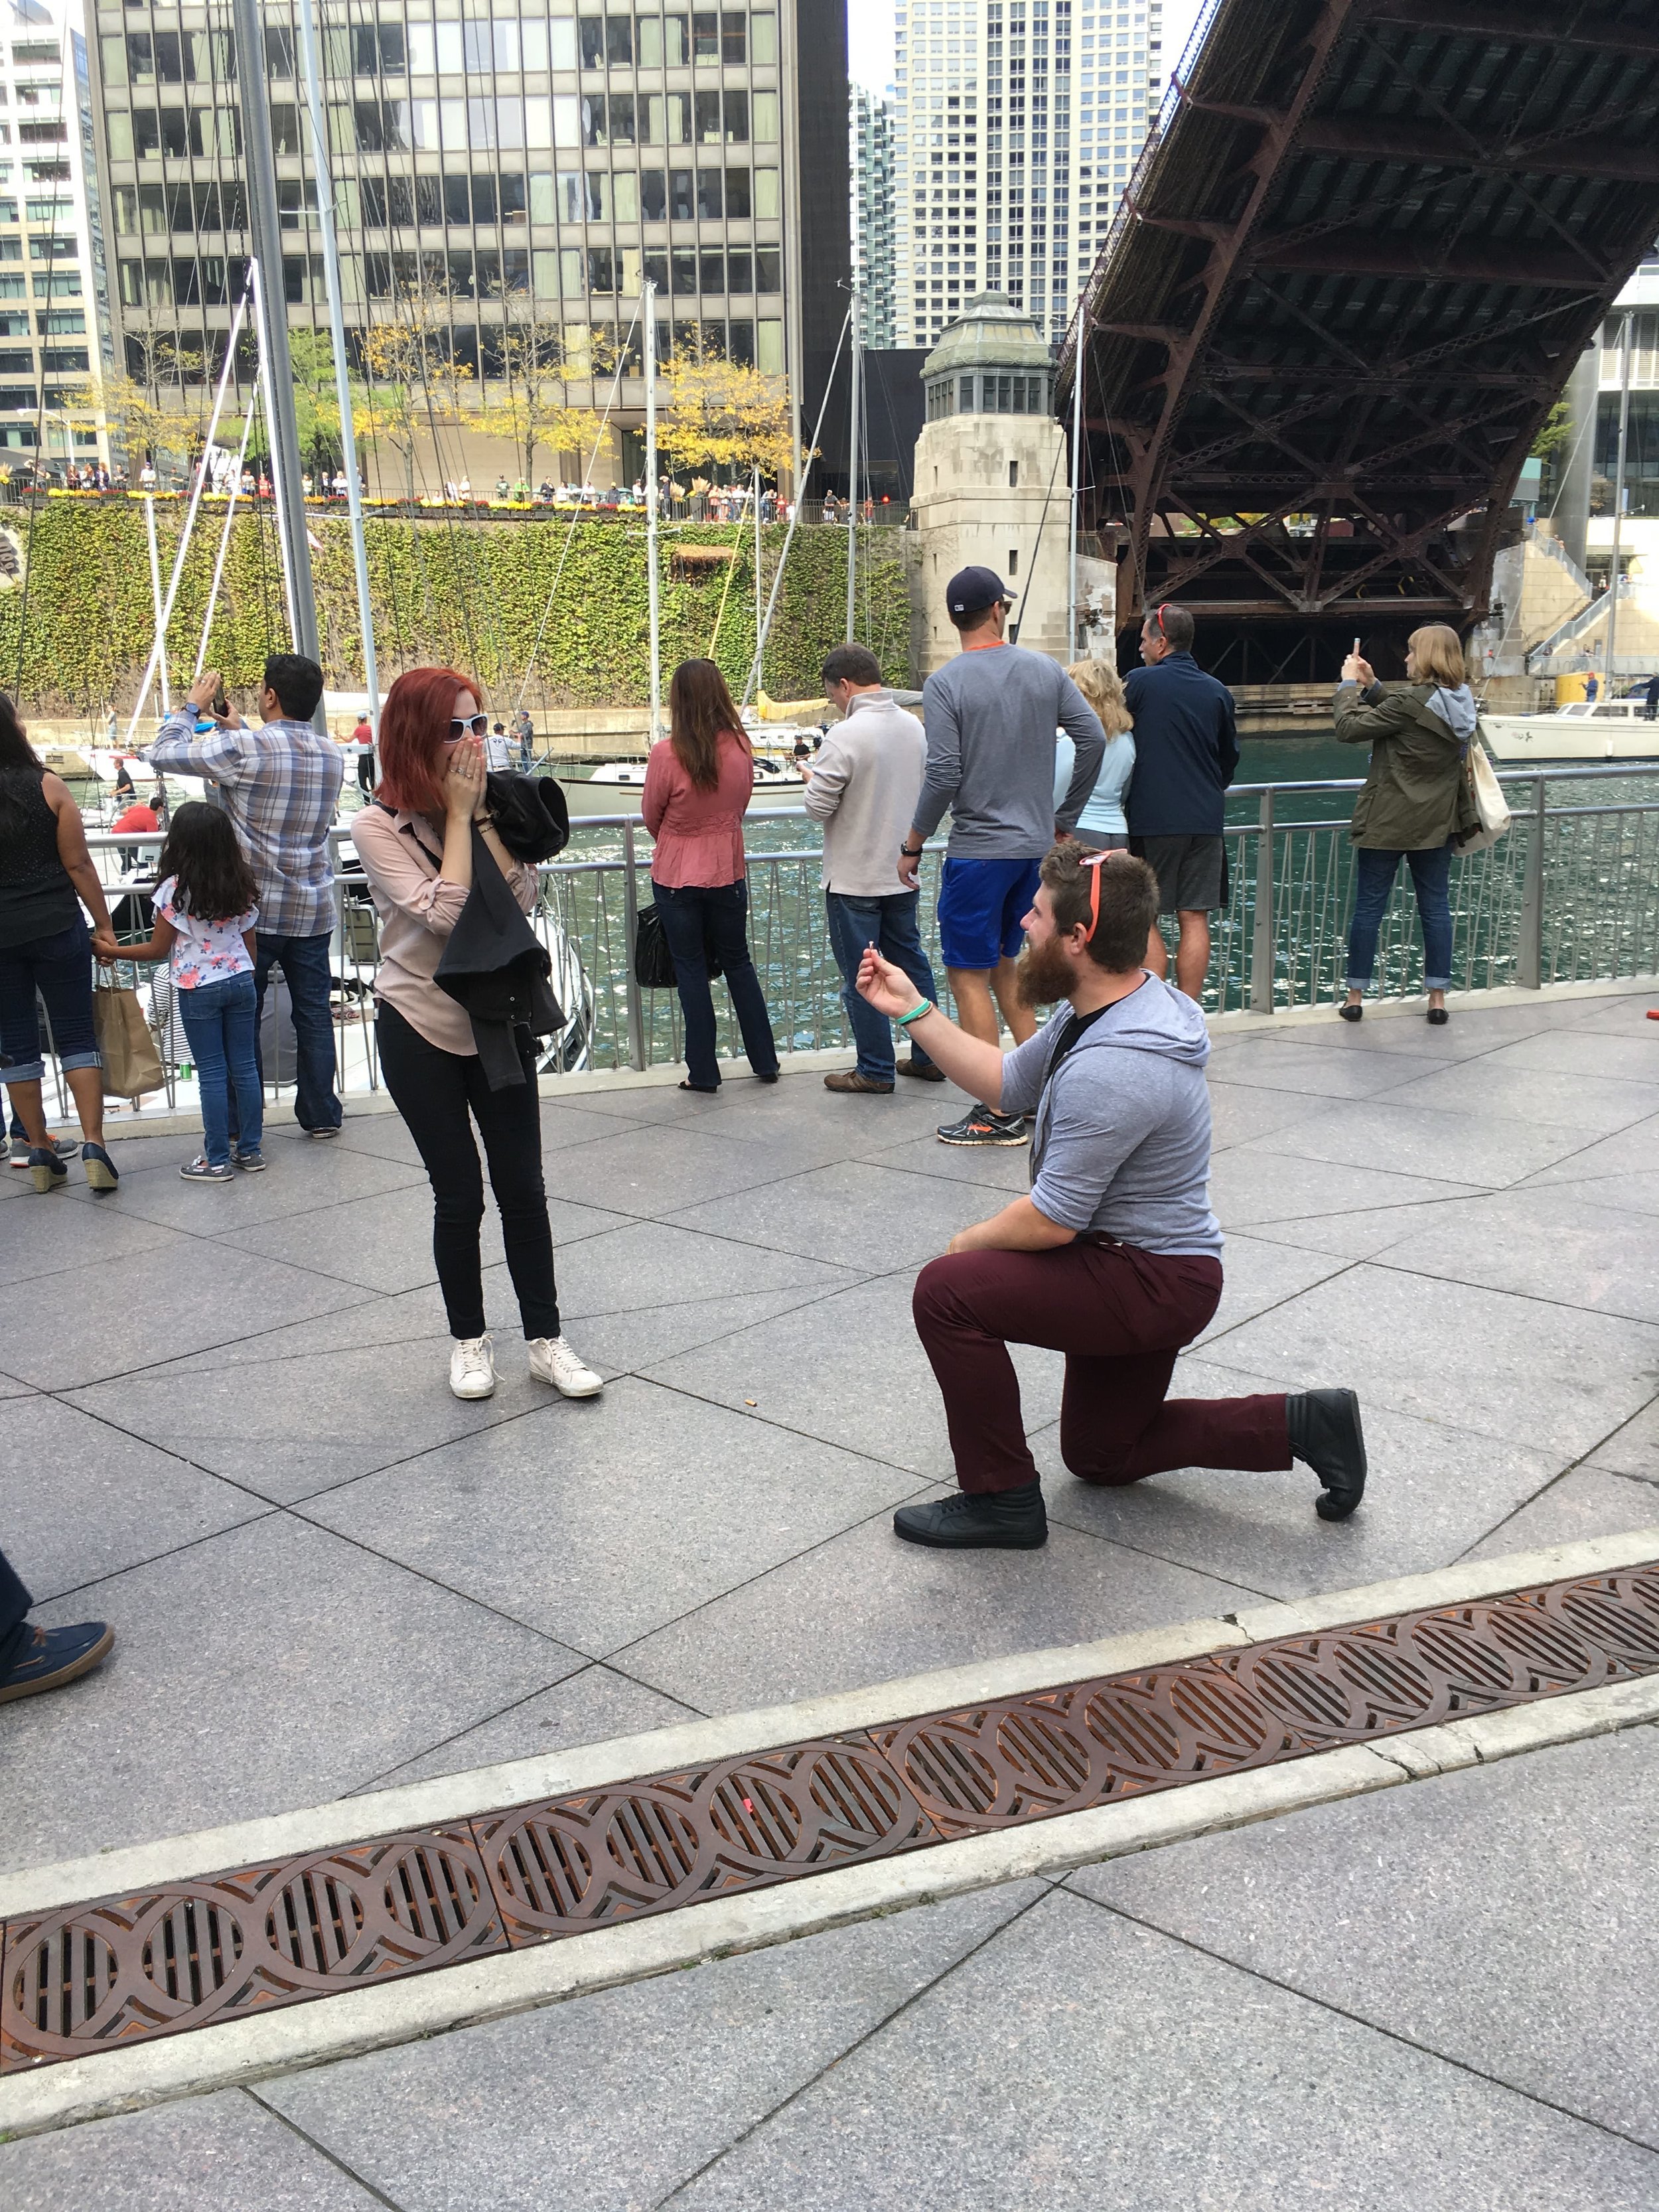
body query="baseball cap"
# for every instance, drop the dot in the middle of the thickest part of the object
(970, 590)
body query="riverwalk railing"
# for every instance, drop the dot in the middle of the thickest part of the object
(1572, 893)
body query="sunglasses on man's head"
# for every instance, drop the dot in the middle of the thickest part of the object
(478, 725)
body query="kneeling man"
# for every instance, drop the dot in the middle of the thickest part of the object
(1115, 1257)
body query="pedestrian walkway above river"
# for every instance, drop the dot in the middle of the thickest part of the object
(225, 1425)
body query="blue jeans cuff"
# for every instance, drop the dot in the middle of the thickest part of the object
(67, 1061)
(1437, 983)
(23, 1070)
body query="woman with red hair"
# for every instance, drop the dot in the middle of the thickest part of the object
(416, 845)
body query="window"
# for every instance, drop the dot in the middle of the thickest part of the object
(734, 43)
(65, 361)
(768, 206)
(740, 343)
(17, 364)
(708, 116)
(622, 118)
(591, 30)
(706, 37)
(648, 32)
(619, 41)
(52, 249)
(769, 269)
(428, 199)
(677, 40)
(562, 55)
(739, 272)
(764, 39)
(656, 271)
(683, 268)
(625, 196)
(601, 269)
(709, 207)
(284, 128)
(682, 201)
(769, 348)
(653, 195)
(711, 275)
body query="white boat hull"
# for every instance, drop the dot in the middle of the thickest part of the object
(1554, 737)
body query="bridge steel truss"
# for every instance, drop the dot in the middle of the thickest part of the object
(1358, 260)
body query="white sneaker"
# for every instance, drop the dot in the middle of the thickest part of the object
(472, 1369)
(553, 1359)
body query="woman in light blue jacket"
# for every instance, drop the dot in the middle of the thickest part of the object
(1102, 826)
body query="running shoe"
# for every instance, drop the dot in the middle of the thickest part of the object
(980, 1125)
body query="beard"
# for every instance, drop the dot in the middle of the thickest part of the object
(1046, 974)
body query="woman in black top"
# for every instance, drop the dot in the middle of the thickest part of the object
(44, 946)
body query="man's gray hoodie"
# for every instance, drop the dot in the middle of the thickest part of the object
(1120, 1143)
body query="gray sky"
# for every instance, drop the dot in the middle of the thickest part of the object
(869, 36)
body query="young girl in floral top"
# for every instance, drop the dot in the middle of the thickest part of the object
(204, 918)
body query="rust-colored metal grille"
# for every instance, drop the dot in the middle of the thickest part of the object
(122, 1970)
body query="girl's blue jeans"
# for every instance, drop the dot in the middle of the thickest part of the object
(1374, 875)
(221, 1021)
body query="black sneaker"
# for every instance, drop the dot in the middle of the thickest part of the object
(1000, 1520)
(1325, 1435)
(980, 1125)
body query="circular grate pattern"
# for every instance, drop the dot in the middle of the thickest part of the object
(94, 1977)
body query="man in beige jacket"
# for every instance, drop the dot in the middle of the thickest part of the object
(863, 786)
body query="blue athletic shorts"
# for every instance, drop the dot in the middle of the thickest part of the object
(982, 905)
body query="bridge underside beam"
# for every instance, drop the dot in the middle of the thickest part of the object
(1369, 246)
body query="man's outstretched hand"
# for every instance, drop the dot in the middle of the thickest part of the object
(888, 989)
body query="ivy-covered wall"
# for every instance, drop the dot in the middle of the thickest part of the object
(471, 593)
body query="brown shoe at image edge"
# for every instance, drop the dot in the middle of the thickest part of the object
(850, 1080)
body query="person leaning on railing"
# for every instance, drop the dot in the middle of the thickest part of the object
(1415, 802)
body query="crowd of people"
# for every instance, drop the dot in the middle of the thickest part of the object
(1085, 811)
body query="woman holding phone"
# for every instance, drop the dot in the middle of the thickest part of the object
(1415, 801)
(416, 844)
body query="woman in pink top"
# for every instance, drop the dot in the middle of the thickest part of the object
(697, 786)
(416, 844)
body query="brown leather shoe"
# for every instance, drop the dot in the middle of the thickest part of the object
(850, 1080)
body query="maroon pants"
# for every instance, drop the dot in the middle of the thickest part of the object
(1119, 1315)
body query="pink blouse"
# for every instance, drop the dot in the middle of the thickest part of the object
(418, 909)
(699, 834)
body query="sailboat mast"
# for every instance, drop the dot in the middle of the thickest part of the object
(1618, 504)
(649, 318)
(1077, 483)
(266, 236)
(156, 594)
(342, 369)
(758, 678)
(853, 466)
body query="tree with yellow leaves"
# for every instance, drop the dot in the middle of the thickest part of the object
(718, 414)
(532, 402)
(413, 379)
(160, 414)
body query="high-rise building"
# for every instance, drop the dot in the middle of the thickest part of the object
(874, 186)
(529, 161)
(54, 291)
(1018, 123)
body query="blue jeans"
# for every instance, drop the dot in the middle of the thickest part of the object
(304, 963)
(889, 924)
(1374, 875)
(60, 967)
(222, 1023)
(698, 919)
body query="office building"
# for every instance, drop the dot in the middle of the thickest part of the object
(531, 166)
(875, 188)
(54, 292)
(1017, 126)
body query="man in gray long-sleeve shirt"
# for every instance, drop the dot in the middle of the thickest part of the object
(991, 715)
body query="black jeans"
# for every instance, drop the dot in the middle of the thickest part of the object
(14, 1603)
(435, 1091)
(698, 919)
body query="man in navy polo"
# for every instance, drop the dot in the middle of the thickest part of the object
(1186, 756)
(990, 716)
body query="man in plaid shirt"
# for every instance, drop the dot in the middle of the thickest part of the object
(280, 785)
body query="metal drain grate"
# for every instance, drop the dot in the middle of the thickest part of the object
(117, 1971)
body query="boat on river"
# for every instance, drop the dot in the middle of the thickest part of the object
(1580, 730)
(614, 787)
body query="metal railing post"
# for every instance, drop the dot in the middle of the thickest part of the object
(631, 932)
(1529, 954)
(1262, 946)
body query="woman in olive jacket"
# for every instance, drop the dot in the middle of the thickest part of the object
(1416, 802)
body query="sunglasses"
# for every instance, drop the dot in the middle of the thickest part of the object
(478, 725)
(1094, 861)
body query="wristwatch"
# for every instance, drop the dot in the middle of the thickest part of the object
(912, 852)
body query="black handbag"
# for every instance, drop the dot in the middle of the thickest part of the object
(653, 963)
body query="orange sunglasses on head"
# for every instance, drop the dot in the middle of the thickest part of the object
(1093, 860)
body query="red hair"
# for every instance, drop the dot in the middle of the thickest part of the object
(414, 730)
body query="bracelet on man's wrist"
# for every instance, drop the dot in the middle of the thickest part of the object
(922, 1006)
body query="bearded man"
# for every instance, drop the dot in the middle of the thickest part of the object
(1114, 1258)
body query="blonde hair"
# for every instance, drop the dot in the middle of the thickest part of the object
(1103, 687)
(1439, 654)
